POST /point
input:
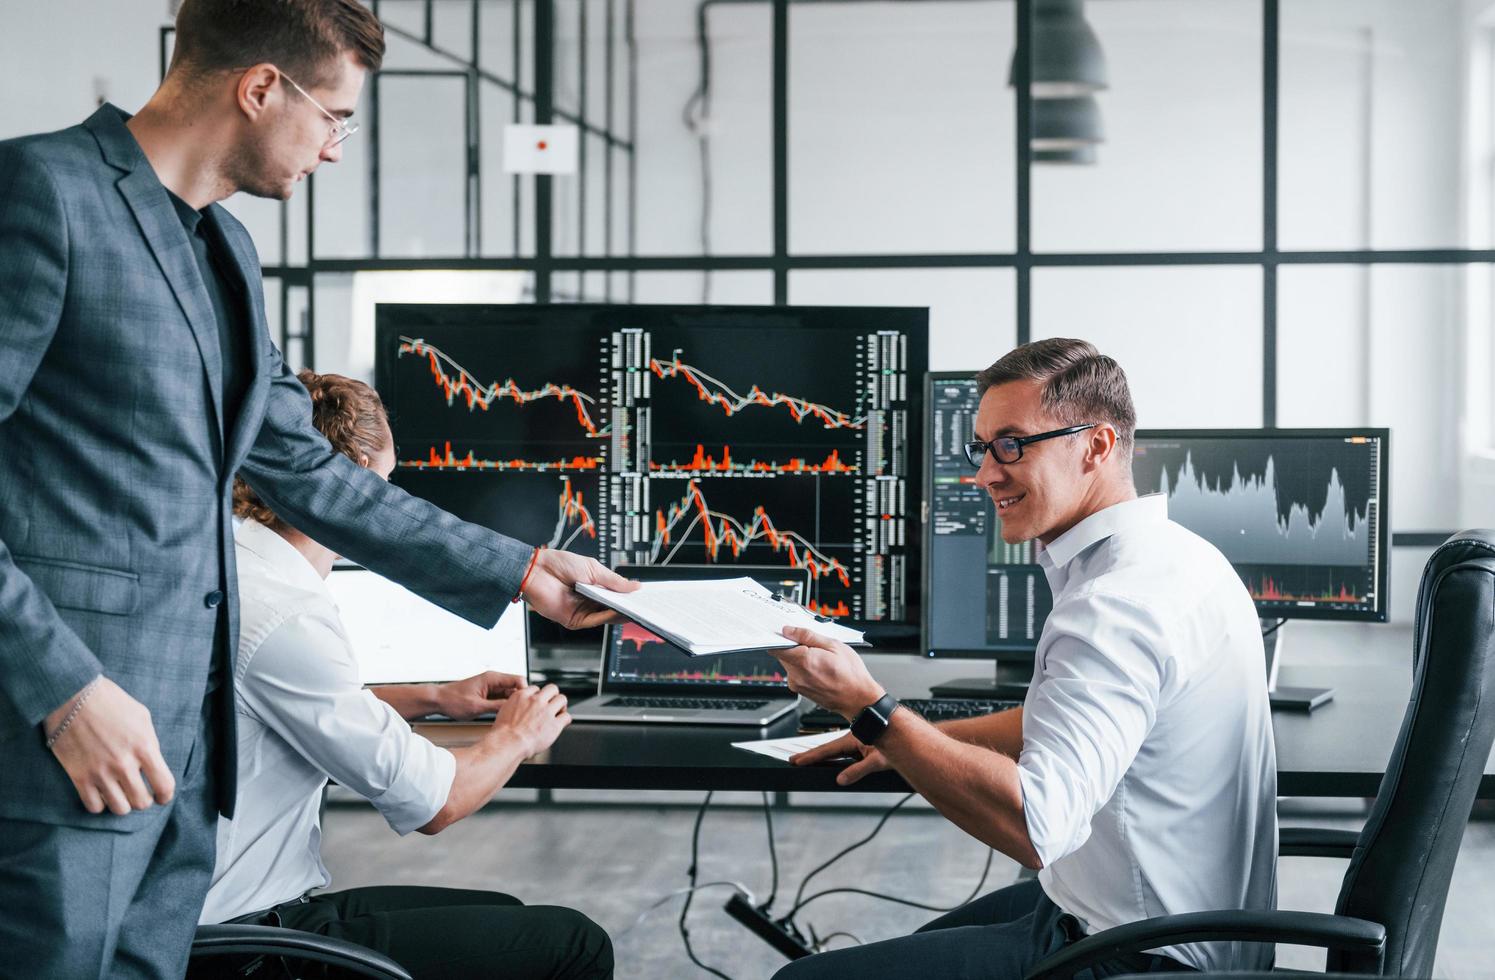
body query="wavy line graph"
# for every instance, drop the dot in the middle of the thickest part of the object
(451, 461)
(571, 510)
(703, 462)
(720, 530)
(714, 392)
(459, 381)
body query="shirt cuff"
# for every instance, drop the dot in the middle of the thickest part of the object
(420, 790)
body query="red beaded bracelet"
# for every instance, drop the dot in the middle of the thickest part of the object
(527, 573)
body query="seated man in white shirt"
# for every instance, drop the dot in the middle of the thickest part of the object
(1139, 775)
(302, 717)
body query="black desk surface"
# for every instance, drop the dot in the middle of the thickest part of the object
(1339, 750)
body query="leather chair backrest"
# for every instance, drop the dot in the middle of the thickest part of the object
(1400, 871)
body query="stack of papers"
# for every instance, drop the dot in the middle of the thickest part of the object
(784, 748)
(718, 616)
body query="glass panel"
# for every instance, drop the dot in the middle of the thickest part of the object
(971, 311)
(900, 128)
(340, 192)
(720, 288)
(1189, 339)
(725, 207)
(1180, 167)
(261, 218)
(422, 181)
(1371, 113)
(1380, 345)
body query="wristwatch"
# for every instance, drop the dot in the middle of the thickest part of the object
(873, 720)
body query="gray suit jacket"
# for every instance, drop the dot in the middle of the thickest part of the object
(116, 549)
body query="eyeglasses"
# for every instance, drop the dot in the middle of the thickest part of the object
(1009, 449)
(341, 128)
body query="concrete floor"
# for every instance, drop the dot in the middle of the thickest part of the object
(613, 861)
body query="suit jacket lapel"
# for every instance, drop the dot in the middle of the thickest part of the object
(167, 240)
(251, 409)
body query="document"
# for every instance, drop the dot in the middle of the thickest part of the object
(783, 748)
(705, 618)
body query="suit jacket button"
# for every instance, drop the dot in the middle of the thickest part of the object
(213, 599)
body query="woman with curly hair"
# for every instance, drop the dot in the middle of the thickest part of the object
(302, 717)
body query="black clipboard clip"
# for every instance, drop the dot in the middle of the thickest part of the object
(779, 597)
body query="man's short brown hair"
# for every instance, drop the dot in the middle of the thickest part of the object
(1079, 384)
(349, 413)
(304, 38)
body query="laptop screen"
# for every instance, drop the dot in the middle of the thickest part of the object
(637, 660)
(400, 638)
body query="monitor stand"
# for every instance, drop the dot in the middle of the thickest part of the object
(1009, 685)
(1287, 698)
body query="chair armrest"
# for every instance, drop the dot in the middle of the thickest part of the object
(1316, 842)
(247, 940)
(1364, 941)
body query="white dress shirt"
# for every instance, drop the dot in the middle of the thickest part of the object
(302, 716)
(1148, 770)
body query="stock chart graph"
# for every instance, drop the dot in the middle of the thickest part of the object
(672, 435)
(1297, 514)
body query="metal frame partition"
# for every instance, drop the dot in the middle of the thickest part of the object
(619, 31)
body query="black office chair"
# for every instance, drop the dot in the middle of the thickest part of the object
(1390, 906)
(248, 942)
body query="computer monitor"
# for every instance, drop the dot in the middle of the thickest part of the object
(398, 638)
(983, 598)
(636, 659)
(1300, 513)
(669, 434)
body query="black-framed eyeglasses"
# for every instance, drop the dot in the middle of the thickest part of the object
(1009, 449)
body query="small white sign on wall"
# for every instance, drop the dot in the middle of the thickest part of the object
(540, 149)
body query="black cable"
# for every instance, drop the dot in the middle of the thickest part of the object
(695, 851)
(694, 114)
(773, 855)
(1274, 628)
(842, 853)
(903, 901)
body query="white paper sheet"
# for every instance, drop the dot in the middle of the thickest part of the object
(783, 748)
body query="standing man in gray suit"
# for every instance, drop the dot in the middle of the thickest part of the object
(137, 377)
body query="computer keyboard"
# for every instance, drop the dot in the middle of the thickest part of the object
(948, 709)
(708, 704)
(934, 709)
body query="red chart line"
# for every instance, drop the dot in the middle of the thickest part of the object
(571, 510)
(459, 382)
(449, 460)
(704, 462)
(721, 530)
(714, 392)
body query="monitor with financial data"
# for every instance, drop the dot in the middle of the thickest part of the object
(1299, 513)
(399, 638)
(661, 435)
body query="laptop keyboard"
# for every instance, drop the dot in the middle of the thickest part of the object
(707, 704)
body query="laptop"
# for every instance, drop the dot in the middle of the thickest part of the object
(400, 638)
(647, 679)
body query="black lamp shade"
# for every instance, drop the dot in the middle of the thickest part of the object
(1067, 56)
(1082, 156)
(1066, 124)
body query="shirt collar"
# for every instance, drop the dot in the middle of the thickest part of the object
(1151, 509)
(281, 556)
(190, 216)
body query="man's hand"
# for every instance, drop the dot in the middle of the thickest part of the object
(827, 672)
(476, 695)
(847, 745)
(107, 748)
(551, 591)
(533, 717)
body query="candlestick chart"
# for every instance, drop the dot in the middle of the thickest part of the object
(672, 434)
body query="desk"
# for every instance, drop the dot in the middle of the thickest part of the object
(1339, 750)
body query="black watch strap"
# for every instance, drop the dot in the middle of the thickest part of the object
(872, 721)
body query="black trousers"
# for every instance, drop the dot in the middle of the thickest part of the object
(439, 933)
(1000, 936)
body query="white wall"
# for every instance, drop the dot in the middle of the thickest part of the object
(900, 137)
